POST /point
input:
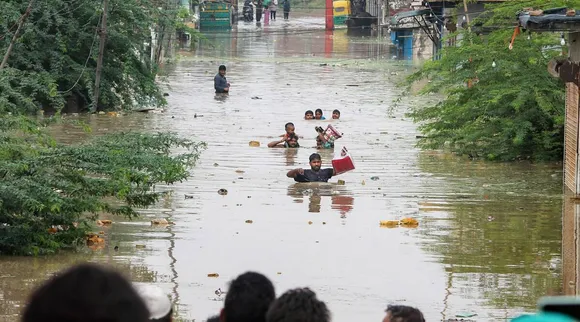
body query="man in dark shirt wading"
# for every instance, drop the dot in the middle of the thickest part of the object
(219, 82)
(315, 174)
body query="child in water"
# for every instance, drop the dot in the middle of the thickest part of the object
(318, 115)
(335, 114)
(309, 115)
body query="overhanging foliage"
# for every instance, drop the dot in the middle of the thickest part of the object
(512, 111)
(49, 193)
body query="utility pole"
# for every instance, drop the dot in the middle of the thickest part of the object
(466, 15)
(20, 23)
(103, 36)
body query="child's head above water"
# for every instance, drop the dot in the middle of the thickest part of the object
(318, 114)
(336, 114)
(289, 128)
(309, 115)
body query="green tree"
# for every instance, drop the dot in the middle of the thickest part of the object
(50, 193)
(53, 62)
(514, 110)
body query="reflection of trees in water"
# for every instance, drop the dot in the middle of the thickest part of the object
(499, 243)
(341, 199)
(21, 275)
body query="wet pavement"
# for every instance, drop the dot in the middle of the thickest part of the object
(489, 235)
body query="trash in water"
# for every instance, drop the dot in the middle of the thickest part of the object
(409, 222)
(254, 144)
(256, 98)
(140, 246)
(389, 223)
(161, 221)
(279, 273)
(341, 182)
(188, 196)
(215, 164)
(240, 171)
(249, 221)
(375, 178)
(310, 222)
(104, 222)
(363, 182)
(213, 275)
(465, 315)
(324, 222)
(222, 192)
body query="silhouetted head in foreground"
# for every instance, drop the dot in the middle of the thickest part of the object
(298, 305)
(248, 298)
(403, 313)
(215, 318)
(86, 293)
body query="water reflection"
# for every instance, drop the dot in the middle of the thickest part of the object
(341, 199)
(221, 97)
(571, 246)
(495, 226)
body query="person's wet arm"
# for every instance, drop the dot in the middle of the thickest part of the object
(273, 144)
(294, 173)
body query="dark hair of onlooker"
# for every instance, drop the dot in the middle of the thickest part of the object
(215, 318)
(318, 111)
(222, 67)
(298, 305)
(86, 293)
(248, 298)
(403, 313)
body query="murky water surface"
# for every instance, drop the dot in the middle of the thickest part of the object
(489, 235)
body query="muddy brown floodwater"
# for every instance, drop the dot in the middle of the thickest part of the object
(489, 235)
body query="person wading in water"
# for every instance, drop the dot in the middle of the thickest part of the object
(314, 174)
(220, 83)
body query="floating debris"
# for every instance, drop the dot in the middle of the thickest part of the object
(341, 182)
(222, 192)
(256, 98)
(139, 246)
(310, 222)
(254, 144)
(240, 171)
(249, 221)
(219, 292)
(409, 222)
(189, 196)
(104, 222)
(213, 275)
(375, 178)
(389, 223)
(161, 221)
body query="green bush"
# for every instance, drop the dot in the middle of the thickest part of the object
(49, 193)
(514, 110)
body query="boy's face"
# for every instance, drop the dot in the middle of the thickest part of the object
(290, 129)
(223, 72)
(309, 116)
(335, 115)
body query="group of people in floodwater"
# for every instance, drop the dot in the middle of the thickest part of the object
(290, 139)
(93, 293)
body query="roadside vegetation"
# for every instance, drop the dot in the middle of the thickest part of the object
(51, 194)
(498, 104)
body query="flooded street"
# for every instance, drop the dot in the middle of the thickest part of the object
(489, 236)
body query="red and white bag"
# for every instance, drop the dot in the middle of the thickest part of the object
(343, 163)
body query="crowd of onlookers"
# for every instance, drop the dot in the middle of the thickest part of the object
(93, 293)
